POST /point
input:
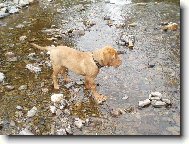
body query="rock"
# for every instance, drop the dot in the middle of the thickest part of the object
(57, 97)
(155, 96)
(23, 3)
(141, 4)
(19, 108)
(78, 123)
(158, 104)
(69, 129)
(53, 109)
(78, 32)
(63, 104)
(151, 65)
(106, 17)
(167, 101)
(109, 23)
(12, 123)
(13, 9)
(23, 87)
(32, 56)
(20, 26)
(23, 38)
(144, 103)
(45, 90)
(89, 23)
(132, 24)
(117, 112)
(58, 112)
(61, 132)
(125, 97)
(9, 87)
(33, 68)
(128, 39)
(121, 43)
(3, 14)
(171, 26)
(107, 1)
(25, 132)
(67, 112)
(32, 112)
(69, 85)
(18, 114)
(2, 77)
(11, 57)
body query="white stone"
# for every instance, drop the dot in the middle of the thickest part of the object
(57, 97)
(2, 77)
(159, 104)
(53, 109)
(19, 108)
(125, 97)
(33, 68)
(25, 132)
(32, 112)
(144, 103)
(78, 123)
(166, 101)
(155, 94)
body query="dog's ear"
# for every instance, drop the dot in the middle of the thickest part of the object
(108, 54)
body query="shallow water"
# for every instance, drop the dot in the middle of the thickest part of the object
(133, 78)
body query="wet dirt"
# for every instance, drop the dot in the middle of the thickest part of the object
(134, 78)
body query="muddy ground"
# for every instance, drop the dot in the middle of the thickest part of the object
(152, 65)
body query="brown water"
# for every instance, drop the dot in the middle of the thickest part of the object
(133, 78)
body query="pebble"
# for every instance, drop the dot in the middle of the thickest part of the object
(53, 109)
(125, 97)
(69, 129)
(78, 123)
(67, 112)
(12, 123)
(106, 17)
(144, 103)
(13, 9)
(23, 38)
(167, 101)
(45, 90)
(25, 132)
(19, 108)
(117, 112)
(57, 97)
(9, 87)
(171, 26)
(158, 104)
(132, 24)
(58, 112)
(61, 132)
(155, 95)
(33, 68)
(32, 112)
(69, 85)
(11, 56)
(23, 87)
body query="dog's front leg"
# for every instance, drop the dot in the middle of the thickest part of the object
(90, 84)
(56, 70)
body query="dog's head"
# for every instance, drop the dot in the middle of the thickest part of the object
(110, 57)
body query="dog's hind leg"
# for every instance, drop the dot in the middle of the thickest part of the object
(64, 72)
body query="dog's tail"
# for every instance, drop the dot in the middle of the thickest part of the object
(39, 47)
